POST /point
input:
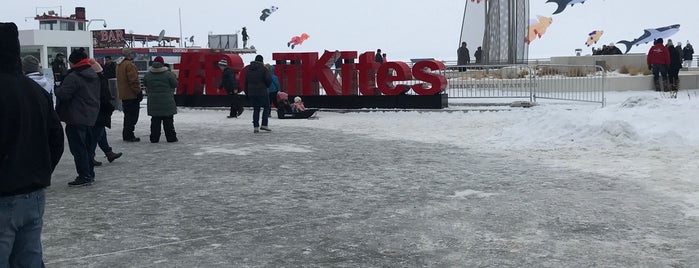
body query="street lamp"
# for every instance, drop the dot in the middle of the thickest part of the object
(104, 23)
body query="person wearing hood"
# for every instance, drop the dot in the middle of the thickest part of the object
(31, 145)
(160, 84)
(104, 117)
(32, 69)
(257, 81)
(78, 104)
(273, 89)
(658, 60)
(687, 55)
(129, 88)
(673, 71)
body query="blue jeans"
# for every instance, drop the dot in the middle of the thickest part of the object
(21, 220)
(82, 146)
(257, 103)
(100, 134)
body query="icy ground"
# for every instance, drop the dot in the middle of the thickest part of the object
(558, 185)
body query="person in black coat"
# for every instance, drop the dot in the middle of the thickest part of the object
(687, 55)
(257, 81)
(109, 68)
(78, 104)
(230, 84)
(104, 116)
(31, 145)
(675, 66)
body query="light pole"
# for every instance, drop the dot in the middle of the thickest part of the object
(104, 23)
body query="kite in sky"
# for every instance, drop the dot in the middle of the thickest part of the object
(267, 11)
(650, 35)
(537, 28)
(593, 37)
(297, 40)
(562, 4)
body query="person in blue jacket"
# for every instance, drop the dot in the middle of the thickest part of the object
(274, 88)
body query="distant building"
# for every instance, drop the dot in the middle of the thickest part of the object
(55, 35)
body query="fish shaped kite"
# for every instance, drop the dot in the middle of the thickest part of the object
(267, 11)
(562, 4)
(649, 35)
(537, 28)
(297, 40)
(593, 37)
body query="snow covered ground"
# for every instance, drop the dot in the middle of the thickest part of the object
(561, 184)
(639, 135)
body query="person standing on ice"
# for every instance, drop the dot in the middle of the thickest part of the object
(31, 145)
(104, 116)
(78, 104)
(230, 84)
(31, 68)
(274, 87)
(257, 80)
(160, 84)
(130, 93)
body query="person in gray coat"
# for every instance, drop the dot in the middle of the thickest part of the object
(257, 80)
(78, 104)
(160, 85)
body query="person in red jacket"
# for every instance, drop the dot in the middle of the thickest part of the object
(658, 61)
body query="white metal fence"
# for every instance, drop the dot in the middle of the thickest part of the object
(560, 82)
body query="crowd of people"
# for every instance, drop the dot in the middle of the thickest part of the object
(610, 49)
(666, 61)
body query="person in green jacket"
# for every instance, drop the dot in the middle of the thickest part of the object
(160, 85)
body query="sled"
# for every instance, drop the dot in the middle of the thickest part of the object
(299, 115)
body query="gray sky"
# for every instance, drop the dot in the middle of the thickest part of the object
(403, 29)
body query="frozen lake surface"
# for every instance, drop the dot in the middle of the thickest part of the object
(396, 189)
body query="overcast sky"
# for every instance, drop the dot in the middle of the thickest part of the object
(403, 29)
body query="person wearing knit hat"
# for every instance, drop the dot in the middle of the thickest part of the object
(30, 64)
(230, 84)
(104, 116)
(31, 145)
(160, 84)
(129, 87)
(78, 104)
(77, 55)
(31, 68)
(161, 61)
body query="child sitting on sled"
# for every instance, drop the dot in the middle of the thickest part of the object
(297, 110)
(298, 105)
